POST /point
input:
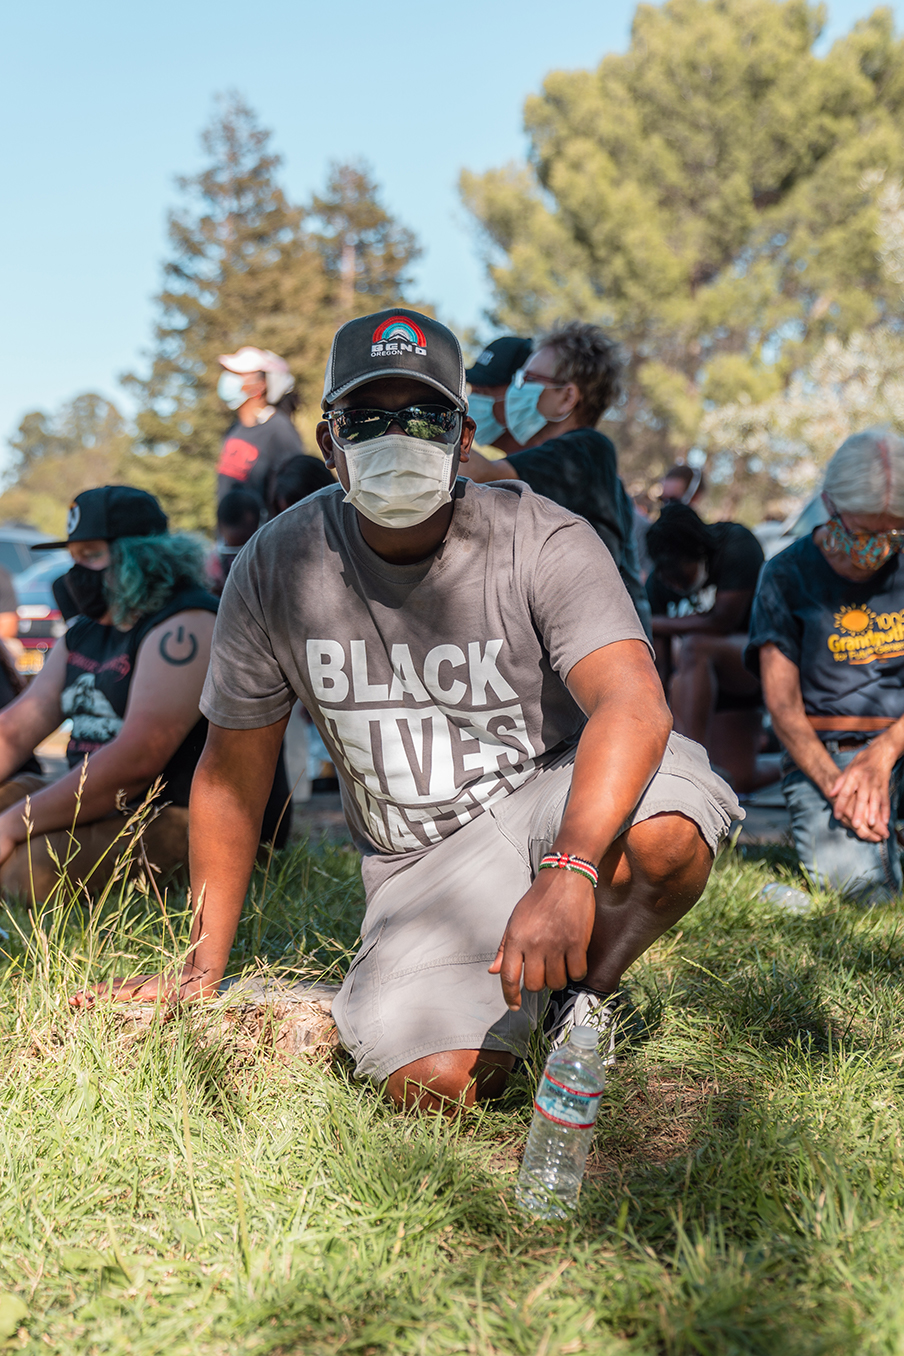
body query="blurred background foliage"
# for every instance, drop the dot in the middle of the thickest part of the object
(722, 199)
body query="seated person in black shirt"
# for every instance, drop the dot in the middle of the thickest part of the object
(827, 636)
(552, 408)
(701, 590)
(128, 674)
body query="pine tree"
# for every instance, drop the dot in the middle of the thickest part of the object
(366, 252)
(242, 271)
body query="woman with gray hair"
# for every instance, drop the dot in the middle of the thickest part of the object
(827, 637)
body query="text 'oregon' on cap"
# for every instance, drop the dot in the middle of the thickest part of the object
(109, 512)
(395, 343)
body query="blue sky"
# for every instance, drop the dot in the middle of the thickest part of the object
(103, 104)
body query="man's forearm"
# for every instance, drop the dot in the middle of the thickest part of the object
(804, 747)
(110, 772)
(228, 797)
(892, 741)
(619, 751)
(222, 845)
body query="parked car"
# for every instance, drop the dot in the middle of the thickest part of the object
(15, 547)
(40, 620)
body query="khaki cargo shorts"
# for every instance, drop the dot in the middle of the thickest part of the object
(419, 983)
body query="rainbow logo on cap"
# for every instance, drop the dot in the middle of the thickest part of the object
(398, 334)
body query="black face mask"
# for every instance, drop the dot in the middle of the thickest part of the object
(87, 589)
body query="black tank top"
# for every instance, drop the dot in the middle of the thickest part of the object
(99, 671)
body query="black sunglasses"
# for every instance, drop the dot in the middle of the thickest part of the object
(434, 423)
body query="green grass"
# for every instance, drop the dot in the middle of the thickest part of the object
(163, 1191)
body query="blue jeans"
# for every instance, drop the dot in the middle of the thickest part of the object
(833, 856)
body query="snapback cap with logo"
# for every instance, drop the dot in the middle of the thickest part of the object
(108, 512)
(499, 361)
(395, 343)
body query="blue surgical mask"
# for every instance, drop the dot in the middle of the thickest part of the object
(522, 418)
(480, 408)
(229, 389)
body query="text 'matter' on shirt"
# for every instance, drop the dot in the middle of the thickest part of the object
(438, 687)
(846, 639)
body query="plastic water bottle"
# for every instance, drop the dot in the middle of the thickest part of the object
(565, 1109)
(782, 896)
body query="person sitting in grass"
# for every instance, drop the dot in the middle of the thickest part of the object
(827, 637)
(488, 696)
(701, 591)
(128, 674)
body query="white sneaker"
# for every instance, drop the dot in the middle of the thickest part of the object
(573, 1006)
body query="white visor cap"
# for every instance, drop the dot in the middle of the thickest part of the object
(275, 369)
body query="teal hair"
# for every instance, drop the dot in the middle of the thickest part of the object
(146, 572)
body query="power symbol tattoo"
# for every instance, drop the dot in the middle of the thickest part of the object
(181, 642)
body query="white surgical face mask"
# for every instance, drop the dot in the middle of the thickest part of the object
(229, 389)
(397, 481)
(480, 408)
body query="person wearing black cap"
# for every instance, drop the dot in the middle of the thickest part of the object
(489, 378)
(128, 675)
(488, 696)
(551, 409)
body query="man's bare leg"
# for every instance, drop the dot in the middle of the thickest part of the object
(706, 663)
(649, 879)
(450, 1080)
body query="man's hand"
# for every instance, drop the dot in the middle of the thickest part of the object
(547, 935)
(859, 795)
(173, 987)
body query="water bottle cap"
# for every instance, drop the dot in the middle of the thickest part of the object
(585, 1036)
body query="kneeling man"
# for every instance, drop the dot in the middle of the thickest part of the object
(487, 694)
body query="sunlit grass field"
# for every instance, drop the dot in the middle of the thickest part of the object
(172, 1190)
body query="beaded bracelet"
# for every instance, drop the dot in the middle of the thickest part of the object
(565, 862)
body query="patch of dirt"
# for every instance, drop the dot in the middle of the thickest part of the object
(643, 1124)
(656, 1122)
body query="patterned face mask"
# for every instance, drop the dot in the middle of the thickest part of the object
(865, 550)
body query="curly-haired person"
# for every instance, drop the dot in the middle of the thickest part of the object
(128, 674)
(552, 408)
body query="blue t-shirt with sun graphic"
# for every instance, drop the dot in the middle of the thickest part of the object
(847, 639)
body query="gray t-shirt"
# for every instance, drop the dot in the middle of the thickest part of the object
(437, 687)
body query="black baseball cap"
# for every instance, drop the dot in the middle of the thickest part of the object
(395, 343)
(108, 512)
(499, 361)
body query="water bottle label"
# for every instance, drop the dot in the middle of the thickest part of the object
(566, 1106)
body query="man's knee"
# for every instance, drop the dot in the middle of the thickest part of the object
(450, 1080)
(669, 849)
(697, 649)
